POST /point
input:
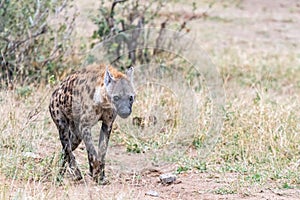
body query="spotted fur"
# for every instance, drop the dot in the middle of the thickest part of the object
(95, 93)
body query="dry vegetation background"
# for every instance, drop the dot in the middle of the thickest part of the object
(256, 48)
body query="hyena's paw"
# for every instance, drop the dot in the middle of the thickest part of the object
(103, 181)
(98, 174)
(76, 173)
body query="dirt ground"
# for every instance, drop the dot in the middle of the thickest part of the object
(264, 25)
(132, 177)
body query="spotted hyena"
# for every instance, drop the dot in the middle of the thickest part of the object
(95, 93)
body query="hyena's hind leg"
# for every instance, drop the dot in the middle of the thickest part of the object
(66, 136)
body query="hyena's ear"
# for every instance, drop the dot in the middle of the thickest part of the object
(108, 78)
(129, 73)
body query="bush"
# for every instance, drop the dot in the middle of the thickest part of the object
(116, 18)
(34, 36)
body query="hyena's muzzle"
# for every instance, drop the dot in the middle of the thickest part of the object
(124, 106)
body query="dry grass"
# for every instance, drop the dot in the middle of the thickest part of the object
(261, 131)
(259, 144)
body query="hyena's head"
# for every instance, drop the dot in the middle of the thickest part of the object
(120, 91)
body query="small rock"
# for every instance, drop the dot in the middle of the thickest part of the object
(152, 193)
(167, 178)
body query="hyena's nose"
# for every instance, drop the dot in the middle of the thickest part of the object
(124, 112)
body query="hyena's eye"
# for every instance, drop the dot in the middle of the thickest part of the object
(116, 98)
(131, 98)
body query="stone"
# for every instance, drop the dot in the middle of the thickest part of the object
(152, 193)
(167, 178)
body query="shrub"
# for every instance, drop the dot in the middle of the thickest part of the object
(116, 18)
(34, 36)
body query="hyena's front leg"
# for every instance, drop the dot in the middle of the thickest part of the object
(94, 163)
(103, 144)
